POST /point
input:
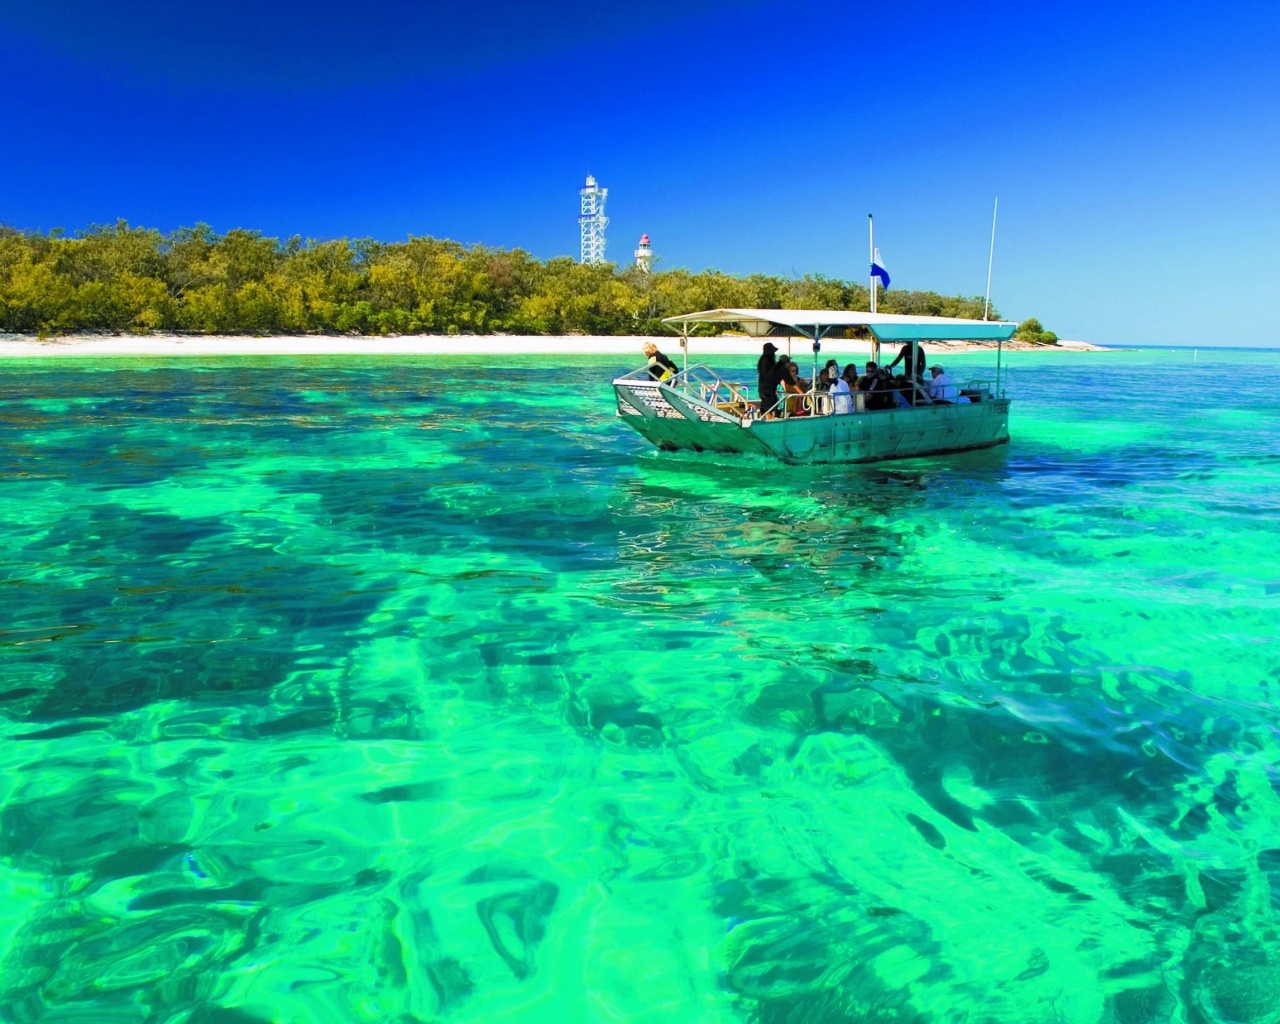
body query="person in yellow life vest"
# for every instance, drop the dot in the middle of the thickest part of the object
(795, 388)
(660, 367)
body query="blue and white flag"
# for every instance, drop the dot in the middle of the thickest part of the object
(877, 270)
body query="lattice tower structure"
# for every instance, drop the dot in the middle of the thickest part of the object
(592, 222)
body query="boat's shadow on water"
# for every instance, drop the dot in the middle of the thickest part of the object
(711, 475)
(797, 528)
(1057, 474)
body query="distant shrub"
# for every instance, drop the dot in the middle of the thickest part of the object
(1030, 330)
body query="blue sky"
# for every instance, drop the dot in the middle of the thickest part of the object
(1135, 148)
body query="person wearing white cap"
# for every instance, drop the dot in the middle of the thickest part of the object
(941, 389)
(841, 396)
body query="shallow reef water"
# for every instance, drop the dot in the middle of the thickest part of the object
(409, 690)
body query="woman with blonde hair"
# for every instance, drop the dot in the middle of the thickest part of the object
(660, 367)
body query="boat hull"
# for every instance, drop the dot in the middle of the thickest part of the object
(677, 422)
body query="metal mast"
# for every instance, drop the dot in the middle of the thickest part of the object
(593, 221)
(991, 258)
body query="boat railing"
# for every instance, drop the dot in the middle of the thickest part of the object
(979, 389)
(707, 386)
(641, 374)
(701, 383)
(807, 403)
(815, 402)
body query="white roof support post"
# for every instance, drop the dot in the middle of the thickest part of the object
(813, 383)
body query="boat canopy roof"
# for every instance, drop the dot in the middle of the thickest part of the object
(818, 323)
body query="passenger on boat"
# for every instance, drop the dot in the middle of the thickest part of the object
(850, 376)
(829, 375)
(796, 387)
(910, 392)
(878, 385)
(942, 390)
(782, 372)
(841, 398)
(910, 370)
(767, 377)
(660, 367)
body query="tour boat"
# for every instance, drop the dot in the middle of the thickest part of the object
(698, 410)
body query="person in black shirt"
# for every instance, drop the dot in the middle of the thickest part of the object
(879, 387)
(904, 356)
(660, 367)
(767, 378)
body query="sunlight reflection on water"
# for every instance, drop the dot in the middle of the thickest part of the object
(343, 691)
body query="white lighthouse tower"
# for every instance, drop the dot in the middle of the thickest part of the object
(593, 221)
(644, 255)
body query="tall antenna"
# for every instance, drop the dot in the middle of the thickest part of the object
(991, 258)
(593, 221)
(871, 258)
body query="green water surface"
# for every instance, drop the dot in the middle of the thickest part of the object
(408, 690)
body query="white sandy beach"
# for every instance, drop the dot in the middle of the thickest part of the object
(165, 345)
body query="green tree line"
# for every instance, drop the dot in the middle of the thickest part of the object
(120, 278)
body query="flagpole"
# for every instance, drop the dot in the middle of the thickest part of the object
(871, 258)
(986, 305)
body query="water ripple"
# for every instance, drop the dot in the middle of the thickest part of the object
(349, 690)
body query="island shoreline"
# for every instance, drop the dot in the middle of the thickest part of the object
(205, 346)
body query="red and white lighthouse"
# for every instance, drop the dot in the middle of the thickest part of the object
(644, 255)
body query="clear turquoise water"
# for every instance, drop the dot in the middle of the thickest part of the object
(394, 691)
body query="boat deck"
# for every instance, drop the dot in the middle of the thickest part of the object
(698, 410)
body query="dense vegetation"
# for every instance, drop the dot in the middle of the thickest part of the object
(121, 278)
(1031, 330)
